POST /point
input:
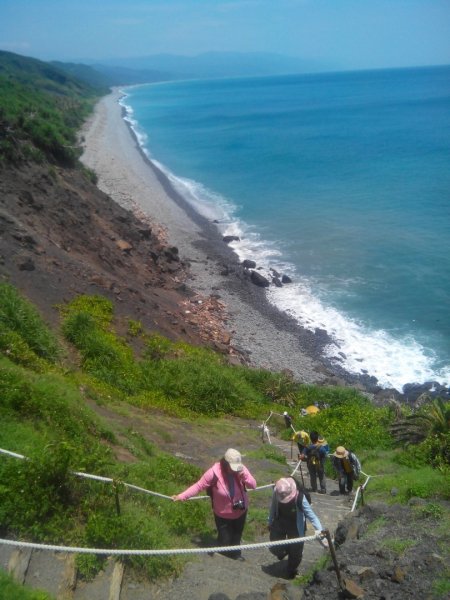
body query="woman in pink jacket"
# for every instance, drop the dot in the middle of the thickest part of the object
(226, 482)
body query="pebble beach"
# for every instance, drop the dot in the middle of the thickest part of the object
(264, 335)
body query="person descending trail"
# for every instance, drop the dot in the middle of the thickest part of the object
(226, 481)
(347, 467)
(287, 520)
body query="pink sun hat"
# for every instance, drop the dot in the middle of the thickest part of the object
(285, 489)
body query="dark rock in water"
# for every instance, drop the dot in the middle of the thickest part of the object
(230, 238)
(419, 393)
(275, 273)
(286, 279)
(248, 264)
(259, 279)
(276, 282)
(385, 396)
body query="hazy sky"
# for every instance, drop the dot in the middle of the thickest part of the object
(343, 34)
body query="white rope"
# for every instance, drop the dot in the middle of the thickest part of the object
(127, 485)
(361, 487)
(127, 552)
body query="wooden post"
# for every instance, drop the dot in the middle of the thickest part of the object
(362, 495)
(333, 556)
(116, 495)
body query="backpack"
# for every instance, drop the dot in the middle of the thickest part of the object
(354, 460)
(314, 456)
(302, 492)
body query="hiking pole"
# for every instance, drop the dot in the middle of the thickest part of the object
(301, 473)
(348, 587)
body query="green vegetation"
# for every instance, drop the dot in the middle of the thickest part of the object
(399, 547)
(13, 591)
(441, 587)
(42, 107)
(44, 416)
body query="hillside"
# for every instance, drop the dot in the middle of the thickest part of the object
(60, 234)
(110, 365)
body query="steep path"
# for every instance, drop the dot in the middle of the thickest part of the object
(204, 575)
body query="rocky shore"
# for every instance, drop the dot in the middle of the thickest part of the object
(134, 239)
(259, 334)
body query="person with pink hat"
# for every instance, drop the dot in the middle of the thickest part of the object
(226, 482)
(287, 520)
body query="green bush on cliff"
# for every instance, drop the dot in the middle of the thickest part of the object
(176, 374)
(23, 334)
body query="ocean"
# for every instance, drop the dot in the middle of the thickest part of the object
(339, 180)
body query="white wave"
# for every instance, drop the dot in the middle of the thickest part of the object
(357, 349)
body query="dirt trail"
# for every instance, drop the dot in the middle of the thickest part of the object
(206, 574)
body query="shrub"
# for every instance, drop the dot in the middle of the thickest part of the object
(350, 420)
(23, 330)
(38, 490)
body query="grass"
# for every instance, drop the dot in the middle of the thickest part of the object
(399, 547)
(10, 590)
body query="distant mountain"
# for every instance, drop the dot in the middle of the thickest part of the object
(117, 75)
(85, 73)
(209, 65)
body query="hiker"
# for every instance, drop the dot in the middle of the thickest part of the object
(287, 520)
(226, 482)
(315, 454)
(302, 440)
(287, 419)
(348, 468)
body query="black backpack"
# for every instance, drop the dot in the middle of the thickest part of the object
(302, 492)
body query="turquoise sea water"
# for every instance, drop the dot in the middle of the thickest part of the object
(341, 180)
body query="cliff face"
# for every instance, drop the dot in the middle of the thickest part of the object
(60, 236)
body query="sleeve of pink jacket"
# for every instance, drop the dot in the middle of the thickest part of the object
(204, 482)
(248, 479)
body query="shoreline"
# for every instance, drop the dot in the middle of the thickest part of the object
(260, 332)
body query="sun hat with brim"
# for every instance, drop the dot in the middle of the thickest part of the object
(341, 452)
(285, 489)
(234, 459)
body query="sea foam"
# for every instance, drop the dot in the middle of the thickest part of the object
(393, 361)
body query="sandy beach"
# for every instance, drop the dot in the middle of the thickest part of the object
(267, 337)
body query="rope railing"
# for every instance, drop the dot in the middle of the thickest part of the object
(158, 552)
(127, 485)
(360, 492)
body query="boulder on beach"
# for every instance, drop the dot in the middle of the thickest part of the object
(259, 279)
(276, 281)
(286, 279)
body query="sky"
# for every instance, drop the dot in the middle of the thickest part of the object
(337, 34)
